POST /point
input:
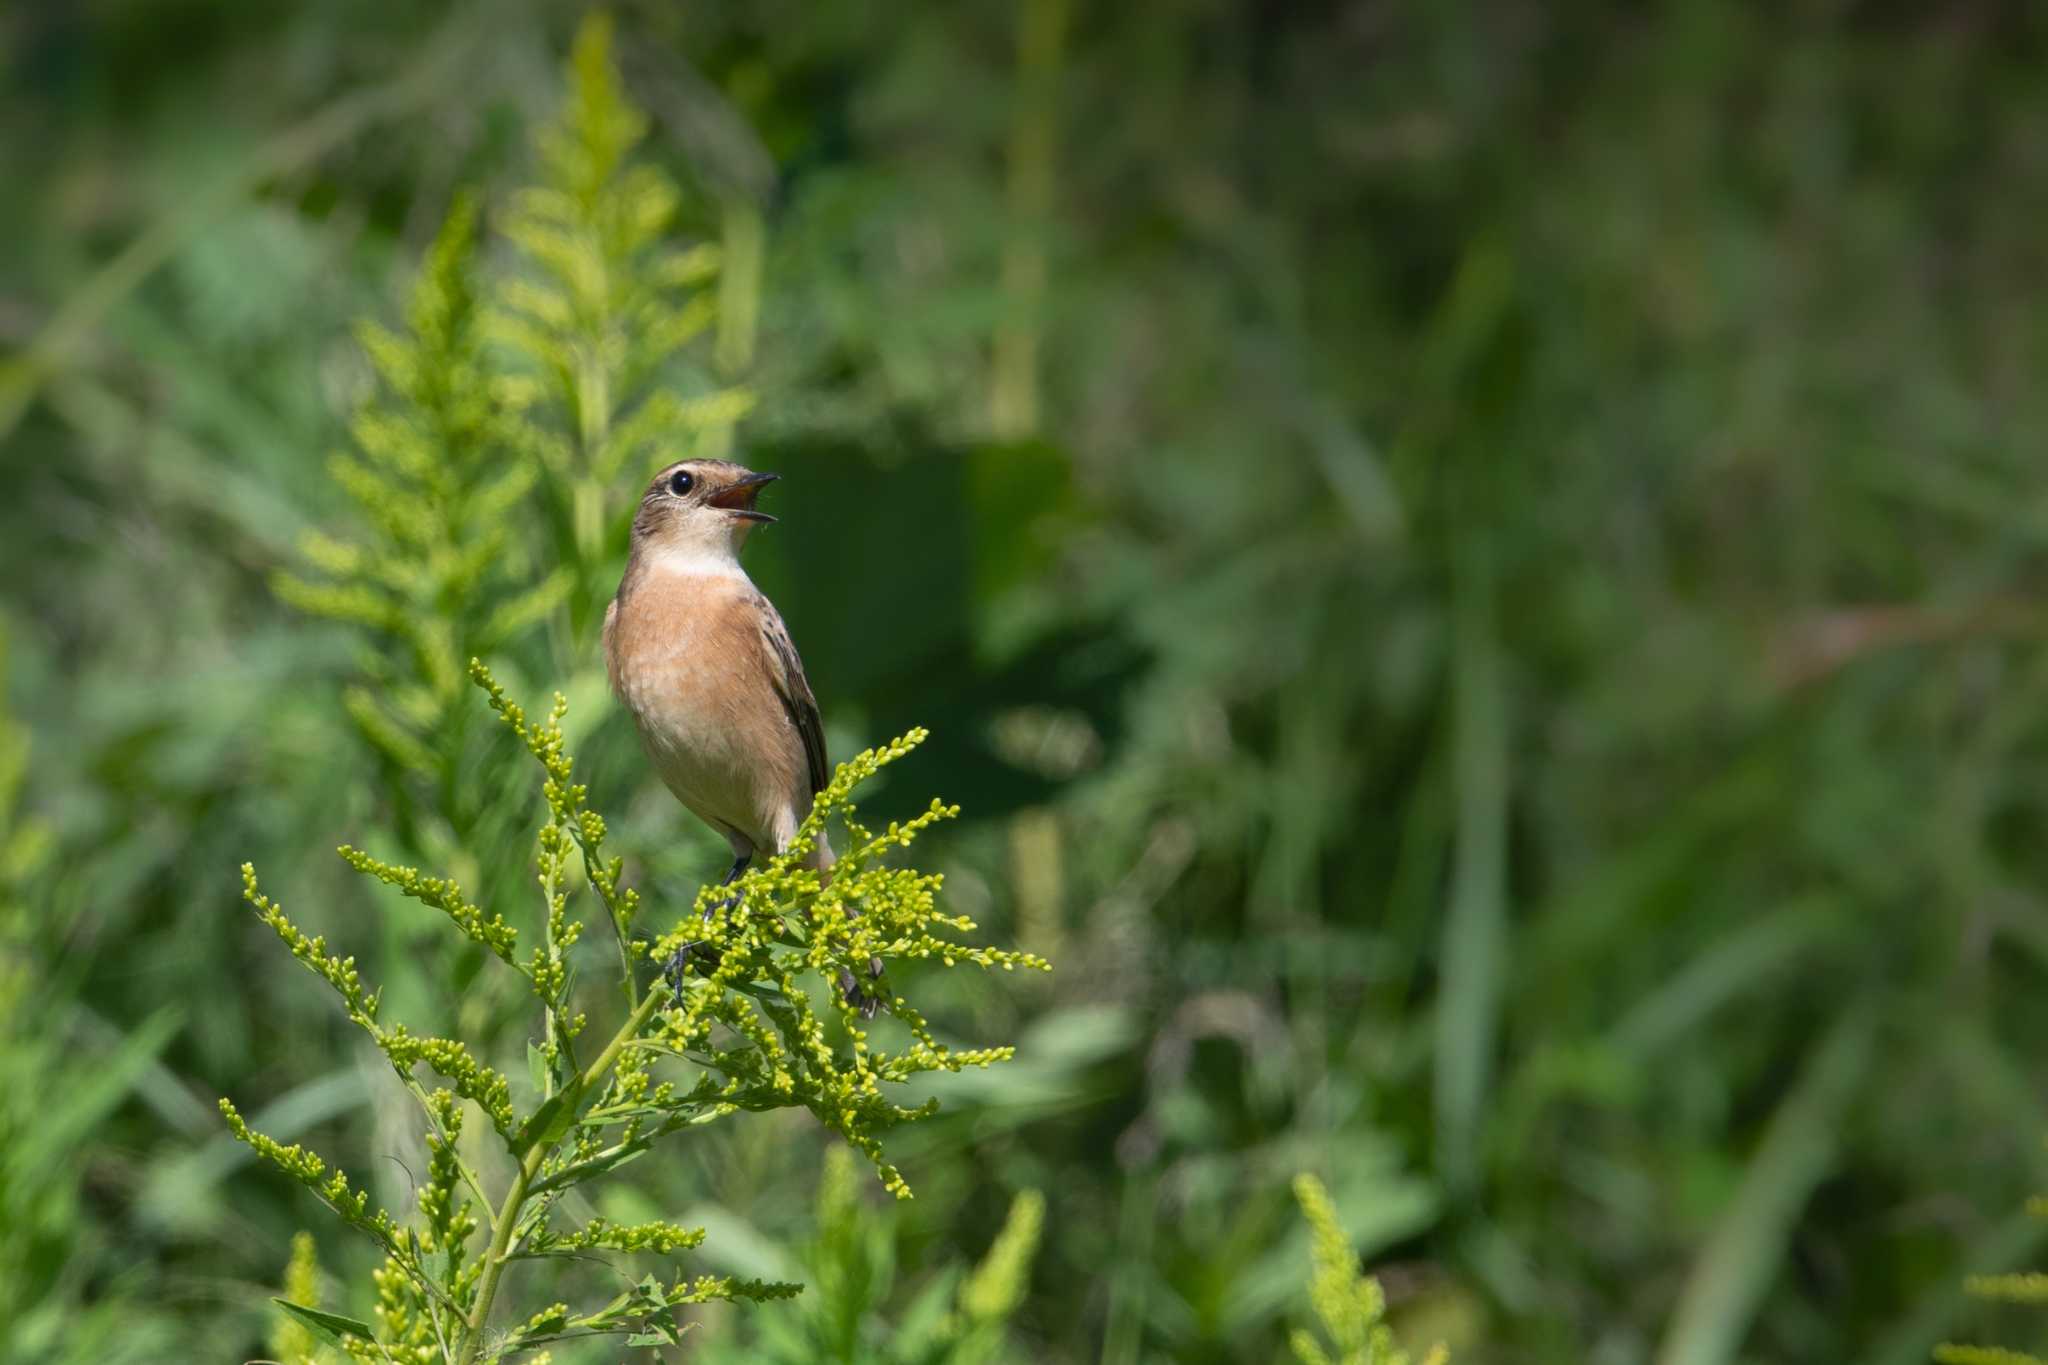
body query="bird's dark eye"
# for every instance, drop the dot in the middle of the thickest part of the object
(680, 482)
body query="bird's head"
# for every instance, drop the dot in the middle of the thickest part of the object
(699, 508)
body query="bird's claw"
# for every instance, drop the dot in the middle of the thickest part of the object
(849, 988)
(678, 965)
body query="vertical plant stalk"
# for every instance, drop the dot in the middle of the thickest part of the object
(1034, 145)
(593, 426)
(1038, 874)
(1728, 1282)
(739, 304)
(1468, 1004)
(507, 1217)
(1136, 1223)
(739, 286)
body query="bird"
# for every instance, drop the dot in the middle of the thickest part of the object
(702, 661)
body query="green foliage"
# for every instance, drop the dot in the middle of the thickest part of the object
(547, 387)
(292, 1340)
(439, 574)
(998, 1285)
(1348, 1303)
(747, 1037)
(866, 914)
(605, 309)
(1518, 620)
(24, 851)
(445, 458)
(959, 1316)
(53, 1097)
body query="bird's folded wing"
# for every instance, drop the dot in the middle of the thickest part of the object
(611, 656)
(786, 672)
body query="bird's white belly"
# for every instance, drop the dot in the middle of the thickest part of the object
(682, 704)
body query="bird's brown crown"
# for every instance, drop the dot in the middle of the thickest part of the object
(700, 493)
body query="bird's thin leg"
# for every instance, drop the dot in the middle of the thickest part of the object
(679, 964)
(739, 865)
(850, 988)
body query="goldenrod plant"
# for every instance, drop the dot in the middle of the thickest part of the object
(436, 574)
(1951, 1354)
(766, 1028)
(546, 388)
(1349, 1303)
(603, 312)
(1503, 625)
(511, 414)
(2026, 1287)
(292, 1342)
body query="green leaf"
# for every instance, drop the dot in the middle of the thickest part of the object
(550, 1121)
(536, 1067)
(660, 1334)
(329, 1327)
(1475, 934)
(597, 1165)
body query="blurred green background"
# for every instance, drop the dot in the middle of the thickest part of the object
(1469, 565)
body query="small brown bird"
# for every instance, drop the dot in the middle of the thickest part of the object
(706, 666)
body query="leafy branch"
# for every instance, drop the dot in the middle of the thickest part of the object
(751, 1035)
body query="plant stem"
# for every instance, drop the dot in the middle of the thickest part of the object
(592, 867)
(529, 1166)
(1034, 144)
(739, 289)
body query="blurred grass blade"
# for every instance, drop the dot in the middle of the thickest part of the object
(1355, 472)
(1414, 892)
(1728, 1281)
(156, 1085)
(1128, 1282)
(64, 1124)
(1743, 960)
(1014, 378)
(1468, 1001)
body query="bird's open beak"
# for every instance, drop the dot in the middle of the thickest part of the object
(738, 496)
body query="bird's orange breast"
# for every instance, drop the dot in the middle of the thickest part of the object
(686, 656)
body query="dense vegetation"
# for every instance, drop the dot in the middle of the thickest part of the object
(1467, 566)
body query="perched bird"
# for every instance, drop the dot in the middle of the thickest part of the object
(705, 665)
